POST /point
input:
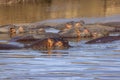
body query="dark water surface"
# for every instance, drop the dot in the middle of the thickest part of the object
(54, 9)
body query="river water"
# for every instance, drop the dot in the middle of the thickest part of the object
(81, 62)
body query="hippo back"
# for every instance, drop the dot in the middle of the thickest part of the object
(9, 47)
(104, 39)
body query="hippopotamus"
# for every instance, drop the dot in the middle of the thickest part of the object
(105, 39)
(62, 25)
(36, 30)
(74, 30)
(44, 41)
(70, 33)
(40, 44)
(34, 37)
(18, 29)
(7, 28)
(97, 30)
(9, 47)
(50, 43)
(115, 25)
(112, 24)
(24, 39)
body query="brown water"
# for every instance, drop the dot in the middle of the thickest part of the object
(54, 9)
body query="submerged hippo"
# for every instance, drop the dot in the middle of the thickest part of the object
(50, 43)
(24, 39)
(104, 39)
(7, 28)
(33, 38)
(74, 30)
(45, 41)
(98, 30)
(115, 25)
(9, 47)
(44, 44)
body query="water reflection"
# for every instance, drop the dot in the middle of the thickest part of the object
(39, 11)
(53, 53)
(87, 62)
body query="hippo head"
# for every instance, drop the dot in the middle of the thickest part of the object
(59, 43)
(50, 43)
(12, 30)
(68, 25)
(44, 44)
(21, 29)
